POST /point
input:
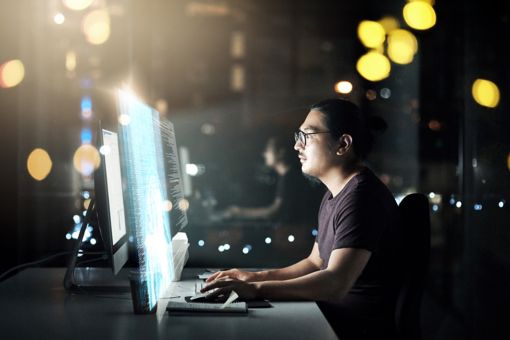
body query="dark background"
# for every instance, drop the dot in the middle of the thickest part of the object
(295, 51)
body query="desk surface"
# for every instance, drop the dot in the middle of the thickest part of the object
(34, 305)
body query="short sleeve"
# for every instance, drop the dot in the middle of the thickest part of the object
(358, 223)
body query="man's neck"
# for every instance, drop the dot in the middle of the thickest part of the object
(336, 179)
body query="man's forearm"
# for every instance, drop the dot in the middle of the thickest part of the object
(318, 285)
(301, 268)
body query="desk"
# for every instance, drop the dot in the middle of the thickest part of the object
(34, 305)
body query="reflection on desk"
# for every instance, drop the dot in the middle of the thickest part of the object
(35, 305)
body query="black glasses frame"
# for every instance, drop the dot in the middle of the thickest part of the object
(301, 136)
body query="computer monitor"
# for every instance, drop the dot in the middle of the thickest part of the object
(106, 212)
(110, 200)
(154, 203)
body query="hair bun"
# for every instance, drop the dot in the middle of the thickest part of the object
(377, 123)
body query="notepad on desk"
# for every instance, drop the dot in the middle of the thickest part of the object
(186, 308)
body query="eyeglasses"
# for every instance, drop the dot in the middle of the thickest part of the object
(300, 136)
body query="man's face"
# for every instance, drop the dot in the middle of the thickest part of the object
(269, 155)
(318, 156)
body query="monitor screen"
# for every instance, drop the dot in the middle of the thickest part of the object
(109, 200)
(155, 209)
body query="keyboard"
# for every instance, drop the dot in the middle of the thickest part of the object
(184, 308)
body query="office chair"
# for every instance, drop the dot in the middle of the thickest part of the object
(415, 218)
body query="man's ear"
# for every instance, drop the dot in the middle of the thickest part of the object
(345, 143)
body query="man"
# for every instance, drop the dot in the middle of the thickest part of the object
(352, 270)
(289, 205)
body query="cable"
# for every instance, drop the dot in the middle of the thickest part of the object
(37, 262)
(33, 263)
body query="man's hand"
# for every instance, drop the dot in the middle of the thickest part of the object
(223, 286)
(235, 274)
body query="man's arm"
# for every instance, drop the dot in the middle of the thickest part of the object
(260, 212)
(344, 267)
(306, 266)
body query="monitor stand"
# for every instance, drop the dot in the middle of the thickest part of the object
(93, 280)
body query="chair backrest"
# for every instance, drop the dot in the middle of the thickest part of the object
(415, 219)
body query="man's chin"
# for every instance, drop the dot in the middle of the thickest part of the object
(310, 178)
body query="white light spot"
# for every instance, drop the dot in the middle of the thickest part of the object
(226, 246)
(268, 240)
(246, 250)
(501, 203)
(385, 93)
(59, 18)
(76, 219)
(291, 238)
(458, 204)
(93, 241)
(435, 207)
(221, 248)
(201, 243)
(477, 207)
(68, 236)
(124, 119)
(192, 169)
(432, 194)
(105, 149)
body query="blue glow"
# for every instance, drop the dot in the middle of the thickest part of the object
(86, 136)
(86, 103)
(314, 232)
(452, 201)
(143, 166)
(201, 243)
(86, 195)
(435, 207)
(478, 207)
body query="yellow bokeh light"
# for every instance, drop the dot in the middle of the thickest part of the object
(508, 161)
(419, 15)
(400, 52)
(184, 204)
(485, 93)
(389, 23)
(11, 73)
(86, 204)
(77, 5)
(96, 27)
(39, 164)
(86, 159)
(405, 37)
(373, 66)
(430, 2)
(371, 33)
(343, 87)
(70, 61)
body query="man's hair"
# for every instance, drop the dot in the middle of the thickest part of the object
(344, 117)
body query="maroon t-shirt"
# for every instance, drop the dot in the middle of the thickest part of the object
(363, 215)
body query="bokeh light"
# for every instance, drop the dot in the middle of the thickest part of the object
(11, 73)
(485, 93)
(77, 5)
(389, 23)
(70, 61)
(39, 164)
(86, 159)
(373, 66)
(419, 15)
(59, 18)
(343, 87)
(96, 27)
(371, 33)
